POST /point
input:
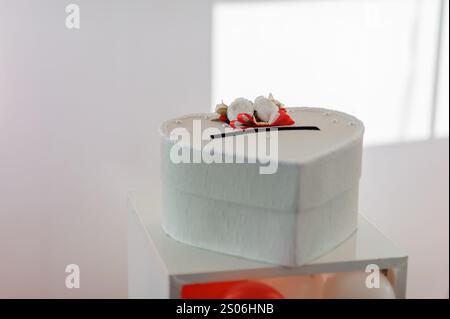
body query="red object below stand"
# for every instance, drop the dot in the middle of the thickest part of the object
(241, 289)
(252, 290)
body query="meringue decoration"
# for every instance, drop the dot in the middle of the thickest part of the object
(243, 114)
(222, 109)
(277, 103)
(265, 109)
(241, 108)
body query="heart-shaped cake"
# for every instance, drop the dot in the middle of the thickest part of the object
(279, 194)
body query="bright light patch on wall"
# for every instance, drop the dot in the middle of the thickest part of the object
(443, 91)
(373, 59)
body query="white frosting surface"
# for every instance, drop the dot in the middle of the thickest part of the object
(337, 130)
(302, 211)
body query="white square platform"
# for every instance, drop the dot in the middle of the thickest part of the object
(158, 266)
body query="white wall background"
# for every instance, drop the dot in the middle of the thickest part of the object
(404, 192)
(442, 114)
(79, 112)
(375, 59)
(371, 58)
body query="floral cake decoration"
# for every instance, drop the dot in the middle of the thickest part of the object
(263, 112)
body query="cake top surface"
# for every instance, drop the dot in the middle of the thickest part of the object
(334, 130)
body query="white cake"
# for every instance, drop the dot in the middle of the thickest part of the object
(300, 212)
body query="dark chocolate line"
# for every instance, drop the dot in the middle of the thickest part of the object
(262, 129)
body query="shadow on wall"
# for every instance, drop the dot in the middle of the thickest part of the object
(404, 191)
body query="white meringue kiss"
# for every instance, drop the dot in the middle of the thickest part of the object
(266, 110)
(240, 105)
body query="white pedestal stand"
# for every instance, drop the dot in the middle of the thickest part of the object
(158, 266)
